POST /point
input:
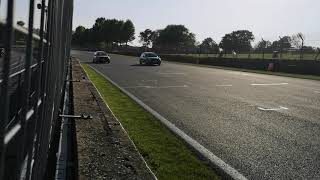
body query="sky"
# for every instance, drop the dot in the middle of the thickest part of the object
(267, 19)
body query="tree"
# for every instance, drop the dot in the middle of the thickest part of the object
(239, 41)
(283, 43)
(227, 43)
(128, 31)
(317, 55)
(97, 30)
(297, 40)
(209, 45)
(113, 31)
(286, 42)
(175, 37)
(110, 32)
(79, 35)
(104, 31)
(262, 45)
(276, 45)
(147, 37)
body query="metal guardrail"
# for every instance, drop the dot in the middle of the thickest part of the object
(33, 69)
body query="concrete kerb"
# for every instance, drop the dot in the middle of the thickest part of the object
(218, 163)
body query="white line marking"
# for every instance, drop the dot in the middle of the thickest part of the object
(272, 84)
(224, 85)
(172, 73)
(133, 87)
(239, 73)
(149, 80)
(230, 171)
(273, 109)
(318, 92)
(165, 87)
(156, 87)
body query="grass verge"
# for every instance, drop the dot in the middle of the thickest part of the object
(167, 155)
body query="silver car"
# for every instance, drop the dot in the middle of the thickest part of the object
(101, 56)
(150, 58)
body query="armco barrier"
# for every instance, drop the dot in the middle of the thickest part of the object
(307, 67)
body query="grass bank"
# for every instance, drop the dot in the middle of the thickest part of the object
(167, 155)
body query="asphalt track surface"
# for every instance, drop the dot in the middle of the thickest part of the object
(266, 127)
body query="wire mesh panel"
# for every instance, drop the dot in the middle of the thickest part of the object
(34, 53)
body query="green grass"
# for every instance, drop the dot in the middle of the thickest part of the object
(167, 155)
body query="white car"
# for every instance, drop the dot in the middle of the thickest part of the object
(101, 56)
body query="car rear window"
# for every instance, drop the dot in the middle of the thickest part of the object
(151, 55)
(101, 53)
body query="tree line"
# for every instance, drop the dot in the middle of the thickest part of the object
(106, 32)
(179, 39)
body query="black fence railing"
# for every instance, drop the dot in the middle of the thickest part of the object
(33, 69)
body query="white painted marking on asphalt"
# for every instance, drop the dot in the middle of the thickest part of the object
(156, 87)
(165, 87)
(149, 80)
(224, 85)
(271, 84)
(239, 73)
(273, 109)
(318, 92)
(133, 87)
(226, 168)
(170, 73)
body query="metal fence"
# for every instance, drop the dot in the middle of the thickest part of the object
(33, 68)
(275, 55)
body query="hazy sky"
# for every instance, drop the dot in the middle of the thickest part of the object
(206, 18)
(210, 18)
